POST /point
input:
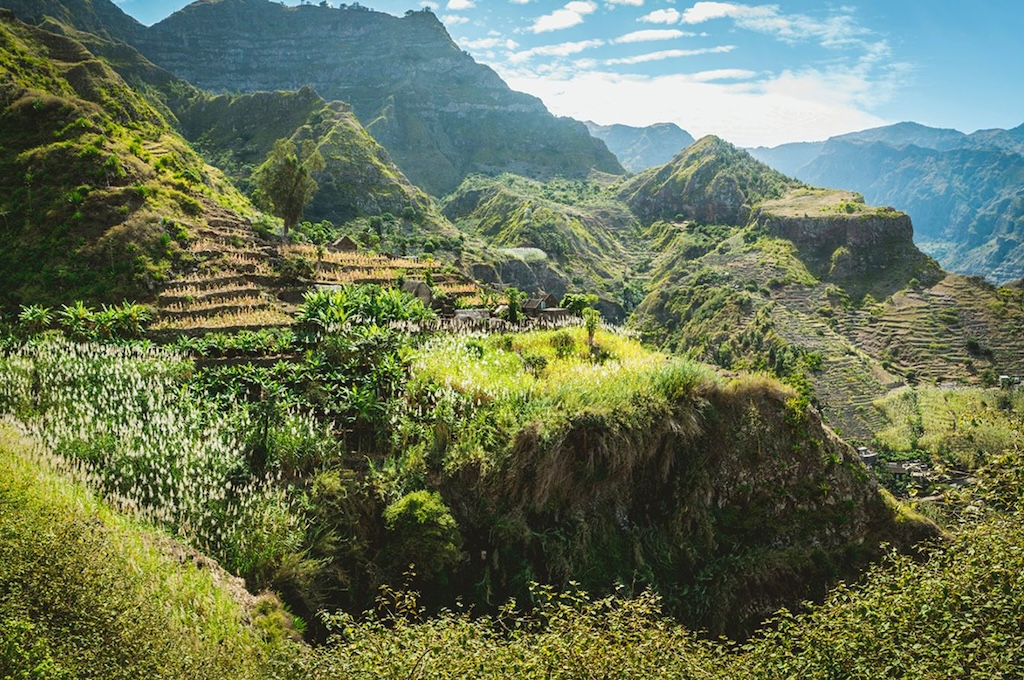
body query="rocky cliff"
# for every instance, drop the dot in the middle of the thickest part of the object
(839, 238)
(439, 113)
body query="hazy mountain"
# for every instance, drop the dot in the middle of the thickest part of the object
(962, 191)
(641, 148)
(440, 114)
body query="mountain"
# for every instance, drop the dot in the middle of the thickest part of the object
(359, 179)
(440, 114)
(962, 191)
(640, 148)
(96, 189)
(710, 181)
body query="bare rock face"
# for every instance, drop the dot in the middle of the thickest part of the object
(440, 114)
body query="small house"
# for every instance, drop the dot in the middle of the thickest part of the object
(345, 244)
(533, 307)
(867, 456)
(420, 290)
(554, 314)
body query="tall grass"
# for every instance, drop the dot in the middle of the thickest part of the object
(120, 418)
(87, 593)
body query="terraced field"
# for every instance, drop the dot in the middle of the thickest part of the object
(242, 281)
(960, 330)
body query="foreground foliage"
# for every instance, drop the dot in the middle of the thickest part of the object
(85, 593)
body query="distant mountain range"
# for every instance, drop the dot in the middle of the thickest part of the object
(639, 148)
(964, 192)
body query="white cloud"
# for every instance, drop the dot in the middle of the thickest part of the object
(652, 34)
(632, 3)
(460, 5)
(454, 20)
(834, 31)
(662, 16)
(669, 54)
(721, 74)
(520, 2)
(567, 17)
(559, 50)
(771, 110)
(706, 11)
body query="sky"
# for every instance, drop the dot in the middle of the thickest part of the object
(756, 74)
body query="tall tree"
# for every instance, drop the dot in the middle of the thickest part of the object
(284, 181)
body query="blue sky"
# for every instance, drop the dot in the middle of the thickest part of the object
(753, 73)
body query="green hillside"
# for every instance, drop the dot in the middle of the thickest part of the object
(359, 180)
(96, 190)
(710, 181)
(584, 235)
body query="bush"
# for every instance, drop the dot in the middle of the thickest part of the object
(423, 533)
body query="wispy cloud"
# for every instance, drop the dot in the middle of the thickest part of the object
(567, 17)
(652, 34)
(838, 29)
(751, 111)
(668, 54)
(631, 3)
(454, 20)
(560, 50)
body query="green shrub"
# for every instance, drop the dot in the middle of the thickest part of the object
(423, 533)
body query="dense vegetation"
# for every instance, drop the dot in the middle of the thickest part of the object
(957, 611)
(545, 503)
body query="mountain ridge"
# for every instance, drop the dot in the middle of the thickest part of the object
(440, 114)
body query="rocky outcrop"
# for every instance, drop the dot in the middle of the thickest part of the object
(845, 245)
(841, 239)
(440, 114)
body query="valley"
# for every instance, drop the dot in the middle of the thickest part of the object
(500, 401)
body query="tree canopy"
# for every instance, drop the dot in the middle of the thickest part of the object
(284, 181)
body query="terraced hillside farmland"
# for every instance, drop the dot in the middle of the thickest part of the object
(243, 281)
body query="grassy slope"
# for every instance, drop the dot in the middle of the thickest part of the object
(359, 180)
(583, 232)
(95, 188)
(747, 502)
(86, 593)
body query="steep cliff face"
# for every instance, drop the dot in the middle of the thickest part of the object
(841, 239)
(439, 113)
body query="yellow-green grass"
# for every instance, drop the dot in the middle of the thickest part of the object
(87, 593)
